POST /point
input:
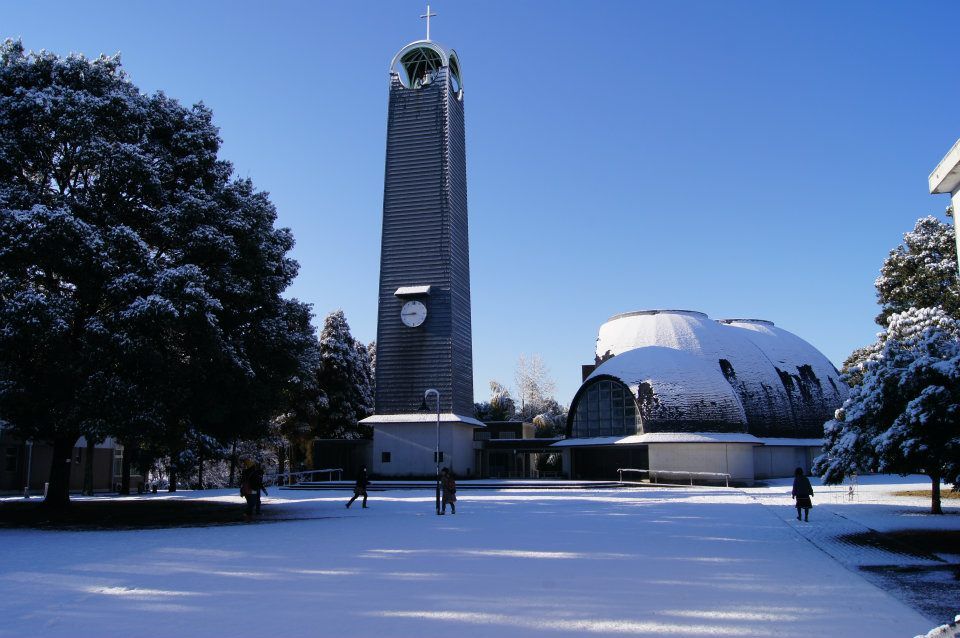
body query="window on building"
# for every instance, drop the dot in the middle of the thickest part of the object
(606, 408)
(384, 457)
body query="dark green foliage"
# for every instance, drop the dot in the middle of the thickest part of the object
(345, 380)
(140, 284)
(921, 272)
(902, 417)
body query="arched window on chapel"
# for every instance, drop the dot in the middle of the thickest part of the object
(605, 408)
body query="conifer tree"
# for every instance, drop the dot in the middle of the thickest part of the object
(345, 379)
(140, 283)
(903, 415)
(921, 272)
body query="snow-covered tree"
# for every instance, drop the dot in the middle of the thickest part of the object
(140, 284)
(855, 365)
(546, 425)
(502, 407)
(535, 386)
(372, 353)
(921, 272)
(903, 415)
(345, 378)
(499, 407)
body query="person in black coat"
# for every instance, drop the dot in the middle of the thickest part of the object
(251, 485)
(360, 489)
(802, 491)
(449, 488)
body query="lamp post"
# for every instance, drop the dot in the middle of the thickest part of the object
(436, 454)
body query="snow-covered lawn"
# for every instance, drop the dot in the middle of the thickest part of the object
(636, 562)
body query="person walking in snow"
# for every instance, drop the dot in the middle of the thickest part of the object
(448, 489)
(360, 489)
(802, 491)
(251, 485)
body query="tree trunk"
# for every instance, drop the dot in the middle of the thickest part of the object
(935, 494)
(174, 460)
(199, 468)
(233, 463)
(88, 468)
(125, 470)
(58, 492)
(281, 458)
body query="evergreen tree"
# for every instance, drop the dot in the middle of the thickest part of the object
(552, 420)
(921, 272)
(903, 415)
(140, 284)
(345, 378)
(500, 407)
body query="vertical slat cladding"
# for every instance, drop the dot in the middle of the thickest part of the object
(456, 175)
(424, 241)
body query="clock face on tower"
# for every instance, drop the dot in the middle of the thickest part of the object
(413, 313)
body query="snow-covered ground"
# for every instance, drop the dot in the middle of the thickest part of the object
(635, 562)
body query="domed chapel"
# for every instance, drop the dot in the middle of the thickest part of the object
(676, 391)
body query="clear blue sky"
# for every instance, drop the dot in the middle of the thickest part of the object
(745, 159)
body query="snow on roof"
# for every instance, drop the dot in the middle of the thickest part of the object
(675, 388)
(408, 291)
(421, 417)
(784, 349)
(698, 437)
(662, 437)
(784, 385)
(778, 441)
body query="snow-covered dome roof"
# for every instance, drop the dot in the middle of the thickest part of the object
(676, 391)
(782, 384)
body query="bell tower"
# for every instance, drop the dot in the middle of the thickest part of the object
(423, 323)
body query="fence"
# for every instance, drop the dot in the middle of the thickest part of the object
(292, 478)
(653, 476)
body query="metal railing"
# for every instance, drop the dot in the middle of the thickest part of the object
(653, 475)
(292, 478)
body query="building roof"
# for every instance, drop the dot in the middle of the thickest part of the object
(685, 437)
(421, 417)
(689, 372)
(676, 390)
(661, 437)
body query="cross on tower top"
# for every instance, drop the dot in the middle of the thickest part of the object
(428, 15)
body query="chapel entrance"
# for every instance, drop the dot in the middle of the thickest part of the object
(601, 462)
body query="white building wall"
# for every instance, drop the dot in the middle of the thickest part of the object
(412, 445)
(779, 461)
(735, 459)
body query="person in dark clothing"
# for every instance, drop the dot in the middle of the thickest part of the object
(251, 485)
(802, 491)
(360, 489)
(448, 489)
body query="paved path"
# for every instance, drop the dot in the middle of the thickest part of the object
(828, 530)
(926, 583)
